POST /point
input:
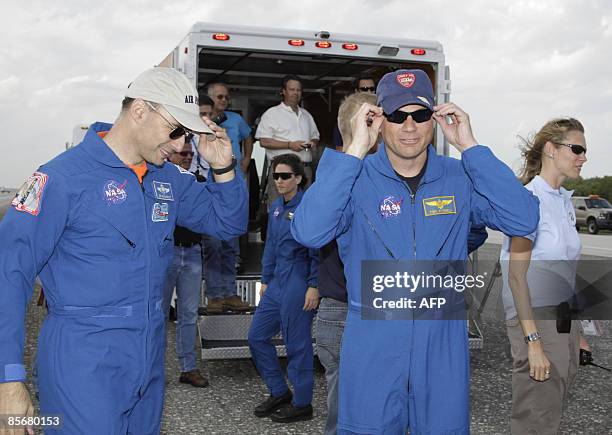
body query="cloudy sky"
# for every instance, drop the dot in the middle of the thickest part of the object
(514, 64)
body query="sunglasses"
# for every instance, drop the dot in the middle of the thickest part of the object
(186, 153)
(282, 175)
(176, 131)
(367, 88)
(576, 149)
(418, 116)
(223, 97)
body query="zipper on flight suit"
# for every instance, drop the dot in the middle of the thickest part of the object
(148, 280)
(132, 244)
(412, 196)
(389, 253)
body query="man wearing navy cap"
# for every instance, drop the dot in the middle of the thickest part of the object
(405, 202)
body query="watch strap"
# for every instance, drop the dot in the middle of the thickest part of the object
(220, 171)
(534, 336)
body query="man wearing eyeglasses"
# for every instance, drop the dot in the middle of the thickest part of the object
(288, 128)
(221, 255)
(96, 224)
(405, 202)
(185, 275)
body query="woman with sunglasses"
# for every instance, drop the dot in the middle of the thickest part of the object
(289, 297)
(539, 274)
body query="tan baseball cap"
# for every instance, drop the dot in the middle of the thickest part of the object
(173, 90)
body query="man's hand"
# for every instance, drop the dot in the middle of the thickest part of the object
(296, 145)
(217, 149)
(15, 400)
(311, 301)
(262, 290)
(365, 126)
(459, 133)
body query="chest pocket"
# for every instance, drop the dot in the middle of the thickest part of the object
(108, 232)
(442, 225)
(161, 219)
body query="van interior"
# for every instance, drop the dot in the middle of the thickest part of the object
(254, 80)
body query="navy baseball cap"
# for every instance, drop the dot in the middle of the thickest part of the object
(403, 87)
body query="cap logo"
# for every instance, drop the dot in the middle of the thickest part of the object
(406, 80)
(190, 99)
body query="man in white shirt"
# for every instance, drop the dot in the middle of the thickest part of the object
(288, 128)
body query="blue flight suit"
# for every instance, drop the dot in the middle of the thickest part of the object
(288, 269)
(101, 243)
(396, 374)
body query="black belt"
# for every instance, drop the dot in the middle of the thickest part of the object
(186, 244)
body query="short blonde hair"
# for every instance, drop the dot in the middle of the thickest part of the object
(348, 108)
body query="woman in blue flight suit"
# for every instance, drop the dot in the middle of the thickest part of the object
(289, 297)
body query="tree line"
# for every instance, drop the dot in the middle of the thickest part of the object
(601, 186)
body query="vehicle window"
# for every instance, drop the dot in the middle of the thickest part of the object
(598, 203)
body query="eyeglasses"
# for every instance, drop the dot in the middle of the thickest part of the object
(576, 149)
(282, 175)
(222, 97)
(176, 131)
(418, 116)
(367, 88)
(185, 153)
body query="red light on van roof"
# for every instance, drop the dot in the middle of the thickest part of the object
(323, 44)
(296, 42)
(350, 46)
(221, 36)
(418, 51)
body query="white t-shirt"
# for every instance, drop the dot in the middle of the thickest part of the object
(556, 249)
(282, 123)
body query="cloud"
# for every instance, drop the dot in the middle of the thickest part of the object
(514, 65)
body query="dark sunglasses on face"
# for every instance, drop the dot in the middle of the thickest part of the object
(282, 175)
(367, 88)
(223, 97)
(576, 149)
(185, 153)
(177, 131)
(418, 116)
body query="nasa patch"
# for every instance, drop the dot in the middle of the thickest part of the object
(160, 212)
(277, 211)
(114, 193)
(163, 191)
(390, 206)
(29, 196)
(406, 80)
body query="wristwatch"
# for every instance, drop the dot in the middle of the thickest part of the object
(534, 336)
(220, 171)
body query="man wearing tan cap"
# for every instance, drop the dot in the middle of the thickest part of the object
(96, 223)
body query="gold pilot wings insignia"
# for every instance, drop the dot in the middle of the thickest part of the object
(439, 205)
